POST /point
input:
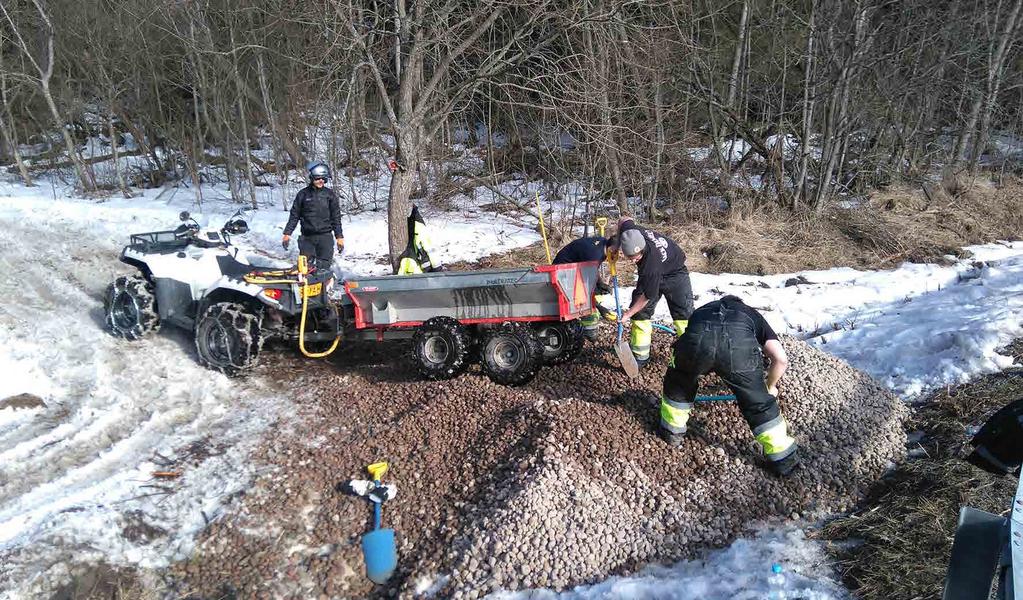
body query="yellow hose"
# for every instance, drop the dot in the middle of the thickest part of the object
(543, 230)
(303, 270)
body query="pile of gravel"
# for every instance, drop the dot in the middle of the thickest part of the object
(558, 483)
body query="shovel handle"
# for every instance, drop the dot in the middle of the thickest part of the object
(376, 510)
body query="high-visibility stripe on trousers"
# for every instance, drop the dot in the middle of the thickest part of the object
(674, 415)
(640, 336)
(773, 437)
(590, 323)
(680, 326)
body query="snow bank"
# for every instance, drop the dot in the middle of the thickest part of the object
(914, 328)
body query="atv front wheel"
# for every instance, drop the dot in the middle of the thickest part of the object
(130, 307)
(228, 338)
(511, 354)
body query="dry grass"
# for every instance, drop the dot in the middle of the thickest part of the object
(103, 582)
(896, 225)
(906, 524)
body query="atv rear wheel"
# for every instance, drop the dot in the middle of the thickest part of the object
(130, 307)
(228, 338)
(511, 354)
(440, 347)
(562, 341)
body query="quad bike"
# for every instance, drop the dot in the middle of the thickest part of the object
(194, 278)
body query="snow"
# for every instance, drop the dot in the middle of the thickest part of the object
(76, 476)
(733, 150)
(738, 572)
(73, 473)
(914, 328)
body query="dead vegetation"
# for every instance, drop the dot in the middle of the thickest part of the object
(104, 582)
(922, 224)
(905, 526)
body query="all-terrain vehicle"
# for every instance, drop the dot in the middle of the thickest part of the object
(196, 279)
(511, 321)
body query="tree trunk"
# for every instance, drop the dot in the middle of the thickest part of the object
(399, 205)
(993, 83)
(117, 159)
(84, 175)
(246, 147)
(809, 103)
(740, 47)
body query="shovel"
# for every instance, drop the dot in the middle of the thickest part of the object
(378, 548)
(622, 349)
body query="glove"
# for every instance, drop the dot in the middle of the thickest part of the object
(285, 241)
(773, 390)
(340, 244)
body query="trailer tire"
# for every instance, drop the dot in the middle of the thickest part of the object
(562, 341)
(228, 338)
(130, 307)
(441, 348)
(511, 354)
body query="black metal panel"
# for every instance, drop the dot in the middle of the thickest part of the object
(980, 537)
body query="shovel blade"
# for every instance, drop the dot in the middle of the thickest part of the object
(627, 358)
(380, 554)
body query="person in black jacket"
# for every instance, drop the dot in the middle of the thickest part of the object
(586, 249)
(317, 208)
(731, 339)
(661, 266)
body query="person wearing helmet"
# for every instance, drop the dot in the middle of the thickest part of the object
(317, 208)
(661, 264)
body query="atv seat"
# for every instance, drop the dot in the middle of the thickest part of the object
(234, 269)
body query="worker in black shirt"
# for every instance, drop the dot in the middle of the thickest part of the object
(731, 339)
(582, 250)
(317, 208)
(662, 272)
(587, 249)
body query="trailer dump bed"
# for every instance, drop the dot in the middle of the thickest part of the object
(543, 293)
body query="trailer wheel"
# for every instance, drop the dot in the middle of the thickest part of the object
(130, 307)
(228, 338)
(511, 354)
(562, 341)
(441, 348)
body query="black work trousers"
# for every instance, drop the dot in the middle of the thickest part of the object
(677, 291)
(729, 350)
(318, 248)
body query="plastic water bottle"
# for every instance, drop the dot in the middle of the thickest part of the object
(776, 584)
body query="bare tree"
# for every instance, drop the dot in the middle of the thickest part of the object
(44, 75)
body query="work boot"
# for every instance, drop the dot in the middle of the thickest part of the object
(671, 438)
(785, 466)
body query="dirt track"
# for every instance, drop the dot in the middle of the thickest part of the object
(554, 484)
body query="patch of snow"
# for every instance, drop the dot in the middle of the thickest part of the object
(733, 150)
(914, 328)
(738, 572)
(698, 154)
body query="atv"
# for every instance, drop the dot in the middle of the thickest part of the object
(194, 278)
